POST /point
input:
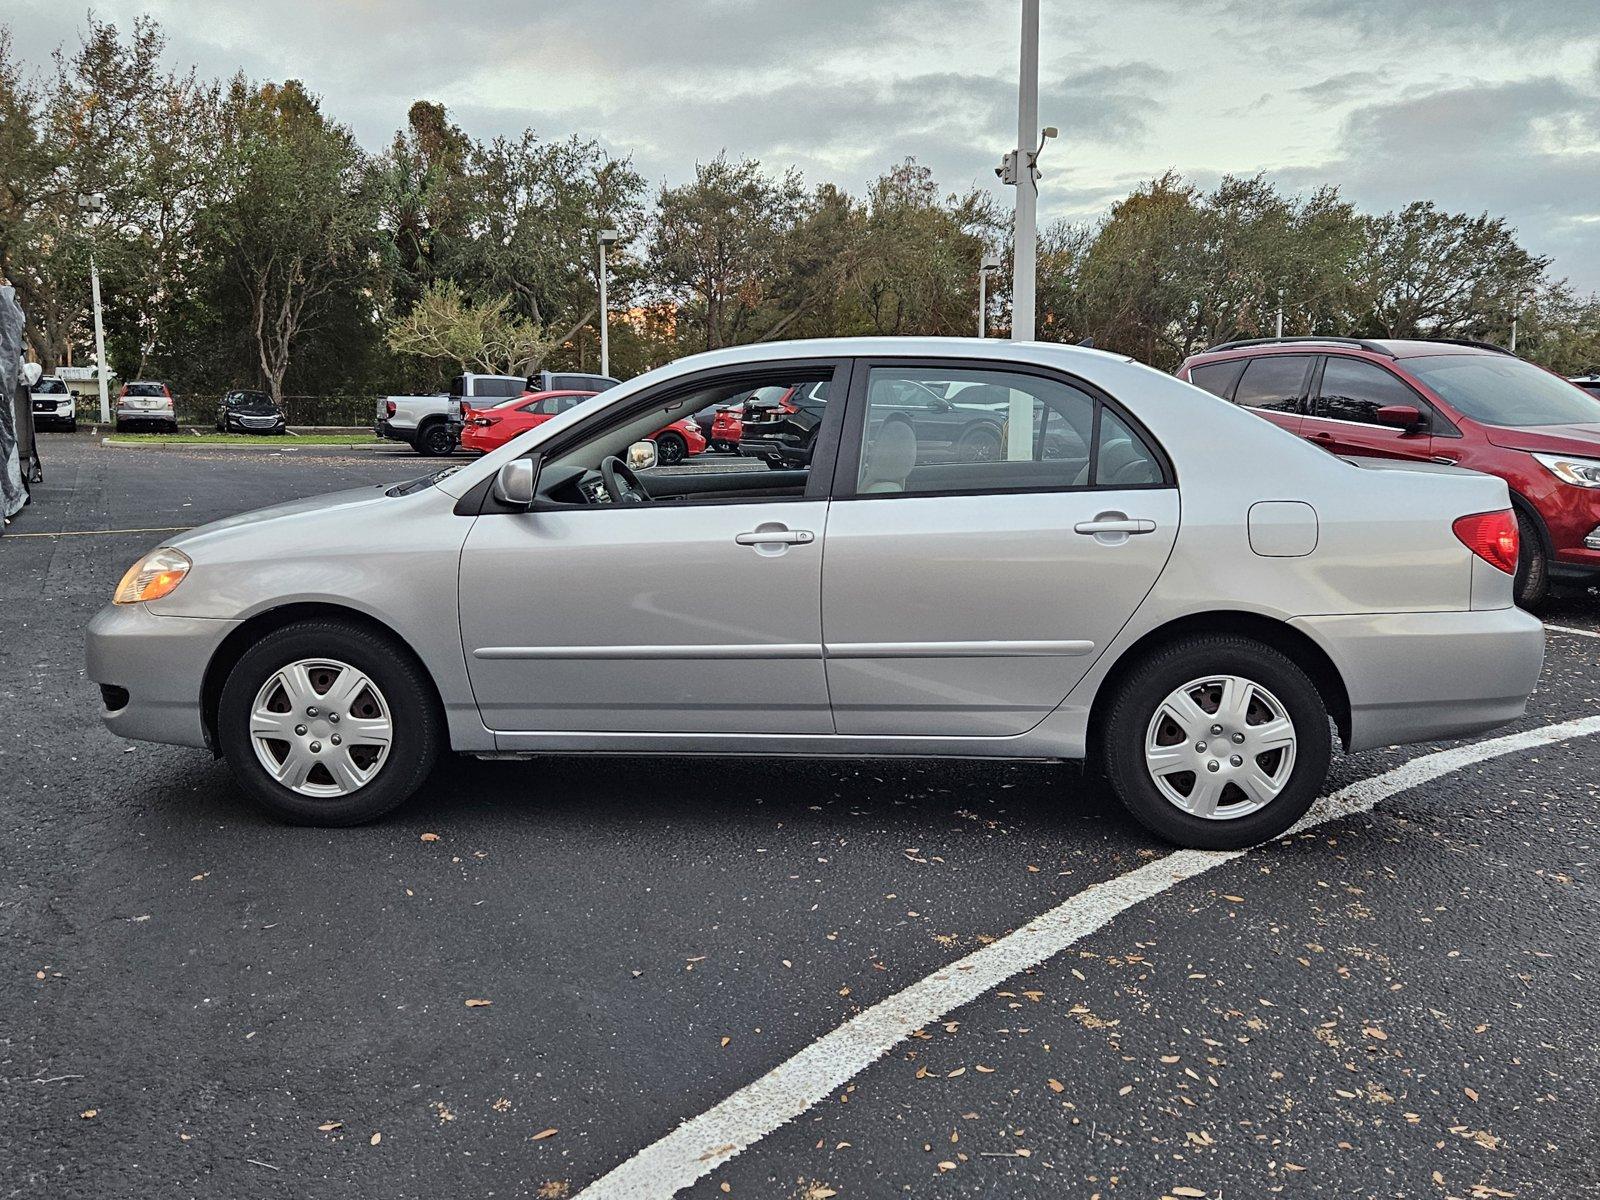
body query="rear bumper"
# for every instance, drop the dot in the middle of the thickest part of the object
(160, 663)
(165, 415)
(387, 429)
(1418, 677)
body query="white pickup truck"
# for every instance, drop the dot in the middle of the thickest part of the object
(431, 425)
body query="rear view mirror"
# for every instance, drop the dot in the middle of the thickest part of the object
(1402, 416)
(642, 455)
(513, 486)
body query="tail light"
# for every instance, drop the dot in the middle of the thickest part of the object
(482, 422)
(1492, 536)
(389, 407)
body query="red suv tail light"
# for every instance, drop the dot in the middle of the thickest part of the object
(1492, 536)
(389, 407)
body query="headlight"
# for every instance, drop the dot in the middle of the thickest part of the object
(153, 576)
(1583, 472)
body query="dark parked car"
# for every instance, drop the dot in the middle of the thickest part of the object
(779, 424)
(249, 412)
(1589, 383)
(1466, 403)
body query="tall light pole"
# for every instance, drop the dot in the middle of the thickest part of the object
(1020, 167)
(607, 239)
(989, 262)
(92, 205)
(1278, 331)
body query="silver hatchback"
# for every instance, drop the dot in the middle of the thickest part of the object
(971, 548)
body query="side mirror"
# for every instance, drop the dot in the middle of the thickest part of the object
(31, 371)
(513, 486)
(940, 405)
(1402, 416)
(642, 455)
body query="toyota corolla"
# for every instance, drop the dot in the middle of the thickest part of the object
(1142, 574)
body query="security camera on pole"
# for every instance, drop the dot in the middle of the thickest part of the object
(1020, 167)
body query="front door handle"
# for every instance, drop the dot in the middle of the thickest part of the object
(1115, 524)
(1320, 437)
(775, 537)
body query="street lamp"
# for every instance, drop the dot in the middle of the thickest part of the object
(92, 205)
(989, 262)
(607, 239)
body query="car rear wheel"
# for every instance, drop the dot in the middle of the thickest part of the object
(671, 449)
(979, 445)
(328, 723)
(1532, 586)
(434, 440)
(1216, 742)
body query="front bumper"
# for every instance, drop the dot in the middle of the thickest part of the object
(1422, 676)
(160, 662)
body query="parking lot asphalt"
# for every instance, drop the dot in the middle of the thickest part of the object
(198, 1002)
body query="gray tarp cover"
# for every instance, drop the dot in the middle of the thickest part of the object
(13, 495)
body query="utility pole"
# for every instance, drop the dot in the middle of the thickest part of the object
(989, 262)
(1279, 332)
(607, 239)
(1025, 253)
(1514, 333)
(92, 206)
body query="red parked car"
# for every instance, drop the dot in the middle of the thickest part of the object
(1463, 403)
(727, 427)
(485, 429)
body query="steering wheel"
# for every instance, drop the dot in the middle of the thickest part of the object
(622, 484)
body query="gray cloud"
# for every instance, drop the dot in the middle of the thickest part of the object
(1336, 89)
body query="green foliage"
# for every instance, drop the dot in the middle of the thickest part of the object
(486, 336)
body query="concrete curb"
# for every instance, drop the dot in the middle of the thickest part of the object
(266, 445)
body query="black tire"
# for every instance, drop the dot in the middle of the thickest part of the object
(1139, 696)
(72, 425)
(434, 440)
(418, 728)
(671, 449)
(1532, 587)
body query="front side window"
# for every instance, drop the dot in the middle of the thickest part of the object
(1353, 390)
(1500, 390)
(931, 430)
(1273, 382)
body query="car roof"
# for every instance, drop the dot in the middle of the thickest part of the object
(1395, 348)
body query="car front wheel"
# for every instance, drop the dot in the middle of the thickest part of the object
(1532, 585)
(1216, 742)
(326, 722)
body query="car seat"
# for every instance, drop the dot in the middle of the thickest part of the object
(890, 456)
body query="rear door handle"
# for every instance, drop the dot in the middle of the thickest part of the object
(1115, 525)
(775, 537)
(1320, 437)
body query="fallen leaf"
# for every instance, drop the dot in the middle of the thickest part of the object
(542, 1134)
(330, 1126)
(1056, 1085)
(89, 1114)
(983, 1070)
(726, 1040)
(479, 1003)
(1188, 1191)
(1471, 1095)
(957, 1071)
(375, 1139)
(1235, 899)
(430, 837)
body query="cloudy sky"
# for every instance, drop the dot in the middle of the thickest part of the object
(1477, 104)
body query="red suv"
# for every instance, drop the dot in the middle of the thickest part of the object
(1458, 402)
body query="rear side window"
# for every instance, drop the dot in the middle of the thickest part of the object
(1274, 382)
(1353, 390)
(997, 432)
(1218, 378)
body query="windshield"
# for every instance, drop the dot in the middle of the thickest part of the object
(1499, 390)
(50, 386)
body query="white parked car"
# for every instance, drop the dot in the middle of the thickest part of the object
(146, 402)
(431, 425)
(54, 404)
(1144, 575)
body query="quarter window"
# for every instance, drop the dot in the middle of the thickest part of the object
(1273, 382)
(936, 430)
(1353, 390)
(1217, 378)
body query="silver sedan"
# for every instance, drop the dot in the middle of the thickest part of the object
(963, 548)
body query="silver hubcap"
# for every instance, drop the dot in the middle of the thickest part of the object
(321, 728)
(1220, 747)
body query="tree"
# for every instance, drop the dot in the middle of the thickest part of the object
(292, 225)
(719, 245)
(485, 337)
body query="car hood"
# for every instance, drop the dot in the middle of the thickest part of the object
(350, 501)
(1552, 439)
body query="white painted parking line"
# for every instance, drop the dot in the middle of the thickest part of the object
(702, 1144)
(1588, 633)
